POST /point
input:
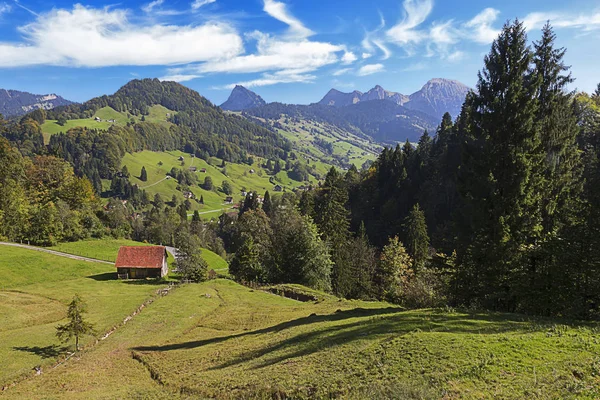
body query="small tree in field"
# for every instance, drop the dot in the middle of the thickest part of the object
(144, 175)
(77, 326)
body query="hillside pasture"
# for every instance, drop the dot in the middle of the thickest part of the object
(34, 293)
(221, 340)
(156, 114)
(239, 175)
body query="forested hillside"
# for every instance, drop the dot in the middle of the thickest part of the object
(201, 126)
(498, 210)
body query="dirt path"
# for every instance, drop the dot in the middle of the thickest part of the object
(156, 183)
(56, 253)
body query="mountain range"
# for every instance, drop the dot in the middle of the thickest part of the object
(382, 115)
(16, 103)
(435, 98)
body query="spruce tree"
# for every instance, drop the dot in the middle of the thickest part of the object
(246, 265)
(417, 239)
(333, 220)
(77, 325)
(559, 129)
(504, 159)
(267, 204)
(144, 175)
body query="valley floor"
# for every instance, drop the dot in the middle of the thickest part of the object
(222, 340)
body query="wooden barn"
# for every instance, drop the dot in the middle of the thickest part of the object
(140, 262)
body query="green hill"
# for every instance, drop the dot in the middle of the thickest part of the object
(241, 177)
(221, 340)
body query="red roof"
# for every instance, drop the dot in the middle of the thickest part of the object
(140, 257)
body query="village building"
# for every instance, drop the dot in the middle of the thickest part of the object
(229, 200)
(193, 169)
(278, 188)
(203, 170)
(140, 262)
(188, 195)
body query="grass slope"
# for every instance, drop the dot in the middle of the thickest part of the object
(214, 200)
(156, 114)
(222, 340)
(34, 293)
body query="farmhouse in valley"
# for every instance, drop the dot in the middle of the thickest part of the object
(140, 262)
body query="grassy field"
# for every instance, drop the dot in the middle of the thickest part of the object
(36, 288)
(238, 175)
(222, 340)
(156, 114)
(303, 133)
(34, 293)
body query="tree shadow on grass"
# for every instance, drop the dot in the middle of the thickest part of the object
(51, 351)
(374, 322)
(340, 315)
(107, 276)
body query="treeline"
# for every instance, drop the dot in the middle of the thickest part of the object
(499, 210)
(42, 201)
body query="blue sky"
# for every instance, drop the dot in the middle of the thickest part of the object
(292, 51)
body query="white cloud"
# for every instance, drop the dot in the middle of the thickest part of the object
(370, 69)
(456, 56)
(366, 55)
(179, 78)
(287, 76)
(349, 57)
(479, 29)
(342, 71)
(200, 3)
(277, 54)
(279, 11)
(386, 52)
(420, 66)
(150, 6)
(558, 20)
(405, 32)
(4, 8)
(89, 37)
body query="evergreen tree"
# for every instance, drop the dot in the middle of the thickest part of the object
(246, 265)
(502, 179)
(158, 201)
(201, 199)
(417, 239)
(144, 175)
(333, 220)
(559, 129)
(208, 183)
(77, 325)
(125, 172)
(394, 271)
(267, 205)
(306, 205)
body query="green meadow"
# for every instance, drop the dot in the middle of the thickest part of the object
(37, 287)
(222, 340)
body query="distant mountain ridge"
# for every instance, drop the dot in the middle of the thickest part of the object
(16, 103)
(435, 98)
(340, 99)
(242, 99)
